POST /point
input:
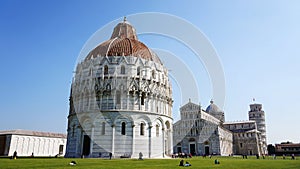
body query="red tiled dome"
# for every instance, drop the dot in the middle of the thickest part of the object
(123, 42)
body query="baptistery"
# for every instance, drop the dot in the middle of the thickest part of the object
(120, 101)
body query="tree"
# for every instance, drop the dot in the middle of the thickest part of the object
(271, 149)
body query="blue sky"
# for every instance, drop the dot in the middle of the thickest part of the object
(257, 43)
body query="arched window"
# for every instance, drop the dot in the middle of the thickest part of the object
(123, 130)
(168, 124)
(105, 70)
(122, 69)
(103, 128)
(157, 130)
(153, 74)
(138, 71)
(142, 132)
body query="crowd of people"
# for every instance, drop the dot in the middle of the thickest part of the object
(182, 155)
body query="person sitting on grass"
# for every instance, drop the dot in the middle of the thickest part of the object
(140, 156)
(181, 163)
(217, 161)
(73, 163)
(15, 155)
(187, 164)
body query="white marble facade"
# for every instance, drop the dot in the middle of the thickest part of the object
(26, 143)
(200, 133)
(205, 132)
(121, 101)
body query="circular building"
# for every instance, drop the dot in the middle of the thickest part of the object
(120, 101)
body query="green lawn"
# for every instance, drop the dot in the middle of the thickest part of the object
(197, 162)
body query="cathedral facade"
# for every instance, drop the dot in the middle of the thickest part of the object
(120, 101)
(205, 132)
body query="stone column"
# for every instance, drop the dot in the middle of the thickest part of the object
(39, 151)
(89, 101)
(156, 104)
(159, 105)
(148, 102)
(95, 102)
(107, 100)
(53, 151)
(140, 98)
(100, 101)
(163, 141)
(127, 101)
(165, 107)
(113, 139)
(133, 139)
(114, 99)
(92, 142)
(171, 142)
(76, 142)
(121, 99)
(80, 137)
(150, 140)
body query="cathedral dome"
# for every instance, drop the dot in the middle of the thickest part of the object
(213, 108)
(215, 111)
(124, 42)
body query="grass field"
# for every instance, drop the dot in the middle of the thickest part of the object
(197, 162)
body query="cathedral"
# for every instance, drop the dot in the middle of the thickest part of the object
(120, 101)
(205, 132)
